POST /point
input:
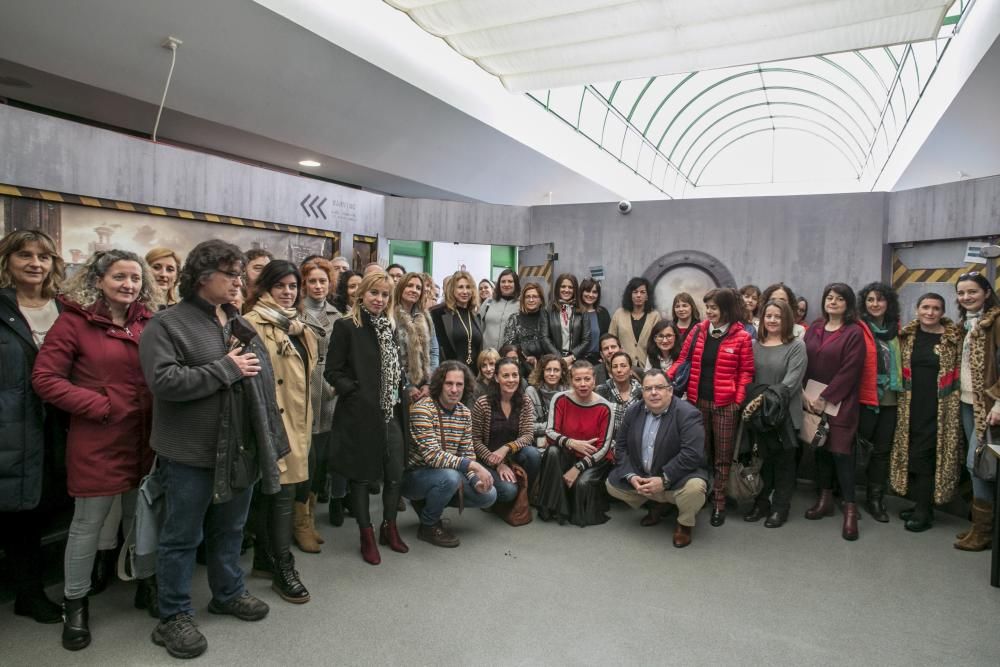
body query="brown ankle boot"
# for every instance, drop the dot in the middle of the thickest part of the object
(823, 506)
(979, 537)
(369, 550)
(312, 519)
(301, 531)
(850, 529)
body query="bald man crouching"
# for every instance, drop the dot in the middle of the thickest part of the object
(660, 457)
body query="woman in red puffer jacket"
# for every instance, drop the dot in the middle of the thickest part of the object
(721, 363)
(89, 367)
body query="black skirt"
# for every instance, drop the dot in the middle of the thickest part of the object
(586, 502)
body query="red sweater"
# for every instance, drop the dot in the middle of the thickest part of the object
(570, 419)
(733, 366)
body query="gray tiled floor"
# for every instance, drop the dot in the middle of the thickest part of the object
(612, 594)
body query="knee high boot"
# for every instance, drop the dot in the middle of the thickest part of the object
(285, 581)
(312, 518)
(388, 532)
(979, 538)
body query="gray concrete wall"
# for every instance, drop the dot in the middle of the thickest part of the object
(966, 209)
(434, 220)
(803, 241)
(44, 152)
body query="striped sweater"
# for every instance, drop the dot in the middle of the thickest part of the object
(482, 415)
(568, 418)
(441, 439)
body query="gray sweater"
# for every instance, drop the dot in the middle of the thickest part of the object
(783, 364)
(495, 314)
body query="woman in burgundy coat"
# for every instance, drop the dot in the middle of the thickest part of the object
(89, 367)
(835, 346)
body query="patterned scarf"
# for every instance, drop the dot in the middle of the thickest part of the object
(389, 354)
(286, 319)
(889, 364)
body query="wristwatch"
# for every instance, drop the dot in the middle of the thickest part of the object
(666, 482)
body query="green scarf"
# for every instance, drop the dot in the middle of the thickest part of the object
(889, 367)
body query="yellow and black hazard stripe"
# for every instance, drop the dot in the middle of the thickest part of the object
(903, 275)
(543, 271)
(96, 202)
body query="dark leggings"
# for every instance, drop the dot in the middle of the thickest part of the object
(392, 470)
(841, 465)
(273, 521)
(317, 457)
(878, 428)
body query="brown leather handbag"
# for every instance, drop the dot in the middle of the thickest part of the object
(518, 512)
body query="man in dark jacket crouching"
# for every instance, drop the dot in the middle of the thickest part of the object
(660, 457)
(216, 430)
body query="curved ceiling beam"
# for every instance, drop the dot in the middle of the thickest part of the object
(794, 89)
(851, 160)
(694, 142)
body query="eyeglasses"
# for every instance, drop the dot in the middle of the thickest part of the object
(968, 276)
(664, 337)
(232, 275)
(532, 297)
(656, 387)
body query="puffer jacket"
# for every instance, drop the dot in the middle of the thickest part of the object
(733, 366)
(24, 453)
(89, 367)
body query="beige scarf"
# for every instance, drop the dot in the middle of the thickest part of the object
(286, 319)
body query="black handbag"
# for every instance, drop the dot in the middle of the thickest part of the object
(985, 463)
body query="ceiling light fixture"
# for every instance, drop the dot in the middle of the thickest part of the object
(309, 163)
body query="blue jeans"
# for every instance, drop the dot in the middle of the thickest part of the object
(981, 489)
(438, 488)
(529, 458)
(188, 506)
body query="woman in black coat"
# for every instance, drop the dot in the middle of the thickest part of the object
(566, 335)
(457, 326)
(597, 316)
(30, 274)
(363, 367)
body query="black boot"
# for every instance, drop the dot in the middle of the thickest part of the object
(286, 582)
(37, 605)
(104, 568)
(875, 503)
(76, 624)
(146, 597)
(336, 512)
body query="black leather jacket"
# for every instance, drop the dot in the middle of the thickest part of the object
(579, 333)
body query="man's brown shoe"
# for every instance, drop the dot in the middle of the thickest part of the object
(653, 515)
(437, 535)
(682, 536)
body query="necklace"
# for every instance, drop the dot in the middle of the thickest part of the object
(468, 336)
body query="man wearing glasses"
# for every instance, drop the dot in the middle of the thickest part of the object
(660, 457)
(216, 430)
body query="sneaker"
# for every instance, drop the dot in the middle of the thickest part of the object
(180, 636)
(438, 535)
(244, 607)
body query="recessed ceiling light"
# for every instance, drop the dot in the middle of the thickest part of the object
(309, 163)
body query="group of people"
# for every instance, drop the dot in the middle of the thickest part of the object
(252, 389)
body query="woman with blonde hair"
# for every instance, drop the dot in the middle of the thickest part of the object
(31, 272)
(165, 265)
(89, 367)
(364, 368)
(457, 325)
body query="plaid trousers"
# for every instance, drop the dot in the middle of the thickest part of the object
(720, 434)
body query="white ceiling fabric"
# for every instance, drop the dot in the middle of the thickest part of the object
(540, 44)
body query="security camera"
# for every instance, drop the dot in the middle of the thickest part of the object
(624, 207)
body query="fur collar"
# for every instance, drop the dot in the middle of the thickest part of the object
(952, 333)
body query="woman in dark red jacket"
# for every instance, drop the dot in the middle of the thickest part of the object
(835, 346)
(721, 356)
(89, 367)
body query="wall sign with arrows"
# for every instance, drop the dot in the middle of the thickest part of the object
(313, 206)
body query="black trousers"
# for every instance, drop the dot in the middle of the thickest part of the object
(21, 539)
(878, 428)
(829, 465)
(273, 521)
(778, 475)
